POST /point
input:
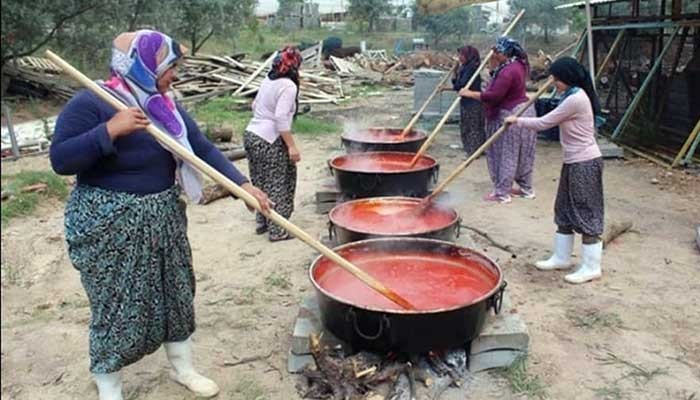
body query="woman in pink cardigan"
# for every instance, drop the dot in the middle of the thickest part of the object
(579, 205)
(271, 151)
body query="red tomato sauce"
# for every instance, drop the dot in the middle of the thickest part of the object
(429, 281)
(392, 216)
(381, 162)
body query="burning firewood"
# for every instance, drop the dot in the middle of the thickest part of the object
(338, 376)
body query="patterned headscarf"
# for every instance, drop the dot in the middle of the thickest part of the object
(510, 48)
(139, 59)
(470, 54)
(286, 65)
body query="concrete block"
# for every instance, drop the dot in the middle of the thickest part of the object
(308, 322)
(507, 330)
(493, 359)
(609, 149)
(425, 82)
(296, 363)
(300, 339)
(697, 238)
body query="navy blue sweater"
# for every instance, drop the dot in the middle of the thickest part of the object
(135, 163)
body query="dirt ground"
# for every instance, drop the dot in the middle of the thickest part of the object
(631, 335)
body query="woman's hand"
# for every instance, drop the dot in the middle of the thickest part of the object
(465, 92)
(294, 154)
(511, 119)
(260, 196)
(126, 122)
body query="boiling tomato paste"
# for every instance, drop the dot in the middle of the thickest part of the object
(430, 281)
(381, 162)
(392, 217)
(383, 135)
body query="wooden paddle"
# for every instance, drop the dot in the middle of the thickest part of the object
(455, 103)
(487, 143)
(437, 89)
(174, 146)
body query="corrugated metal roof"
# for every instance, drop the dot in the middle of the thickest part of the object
(583, 3)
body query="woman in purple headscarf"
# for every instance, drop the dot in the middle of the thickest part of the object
(512, 156)
(471, 122)
(126, 226)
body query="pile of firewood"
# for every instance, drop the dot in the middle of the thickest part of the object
(36, 77)
(206, 76)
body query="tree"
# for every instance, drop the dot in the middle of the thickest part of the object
(461, 22)
(541, 14)
(366, 12)
(198, 20)
(27, 26)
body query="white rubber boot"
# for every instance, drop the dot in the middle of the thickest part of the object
(589, 270)
(561, 259)
(109, 386)
(180, 357)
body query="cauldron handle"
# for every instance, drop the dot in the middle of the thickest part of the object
(375, 181)
(435, 174)
(458, 227)
(496, 301)
(382, 322)
(330, 167)
(331, 232)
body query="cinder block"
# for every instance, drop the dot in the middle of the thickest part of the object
(296, 363)
(303, 328)
(493, 359)
(507, 330)
(609, 149)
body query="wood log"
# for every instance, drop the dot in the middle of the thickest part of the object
(614, 230)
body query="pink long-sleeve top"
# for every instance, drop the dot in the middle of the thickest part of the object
(576, 127)
(506, 90)
(273, 109)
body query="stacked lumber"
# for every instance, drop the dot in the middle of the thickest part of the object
(37, 77)
(203, 77)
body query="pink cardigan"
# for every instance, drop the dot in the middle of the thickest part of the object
(576, 127)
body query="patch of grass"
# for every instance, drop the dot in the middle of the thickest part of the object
(247, 296)
(278, 280)
(224, 111)
(23, 204)
(594, 319)
(638, 373)
(609, 393)
(521, 381)
(248, 388)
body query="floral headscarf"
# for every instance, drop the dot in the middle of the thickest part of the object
(510, 48)
(139, 59)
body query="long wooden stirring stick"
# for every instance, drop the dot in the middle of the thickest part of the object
(455, 103)
(172, 145)
(437, 89)
(487, 144)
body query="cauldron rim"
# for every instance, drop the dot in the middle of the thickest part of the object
(415, 136)
(385, 198)
(486, 296)
(331, 163)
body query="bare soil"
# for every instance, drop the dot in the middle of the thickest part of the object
(631, 335)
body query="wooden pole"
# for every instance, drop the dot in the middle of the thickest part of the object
(171, 144)
(420, 111)
(686, 145)
(608, 56)
(488, 143)
(11, 132)
(591, 56)
(455, 103)
(255, 74)
(637, 97)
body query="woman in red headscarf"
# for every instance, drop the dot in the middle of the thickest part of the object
(269, 144)
(471, 121)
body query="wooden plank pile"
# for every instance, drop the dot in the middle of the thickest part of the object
(37, 77)
(203, 77)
